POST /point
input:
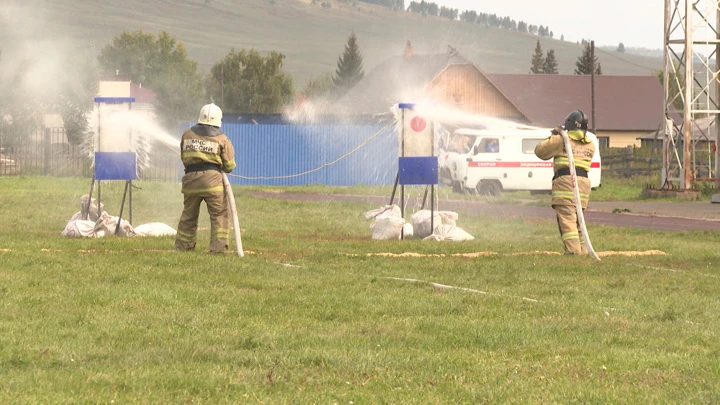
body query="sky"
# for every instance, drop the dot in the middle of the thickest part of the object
(635, 23)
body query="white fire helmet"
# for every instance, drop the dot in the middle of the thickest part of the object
(210, 114)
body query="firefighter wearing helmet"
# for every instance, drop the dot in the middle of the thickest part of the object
(206, 153)
(563, 201)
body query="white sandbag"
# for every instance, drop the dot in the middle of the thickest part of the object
(421, 221)
(450, 233)
(93, 210)
(106, 224)
(384, 212)
(387, 228)
(408, 230)
(154, 229)
(79, 228)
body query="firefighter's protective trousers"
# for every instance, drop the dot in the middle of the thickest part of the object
(205, 151)
(562, 188)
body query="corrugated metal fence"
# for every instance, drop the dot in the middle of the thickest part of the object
(336, 155)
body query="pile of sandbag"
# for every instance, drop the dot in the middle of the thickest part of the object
(389, 224)
(442, 227)
(103, 224)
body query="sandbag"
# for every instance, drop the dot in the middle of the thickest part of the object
(450, 233)
(388, 222)
(154, 229)
(387, 228)
(77, 228)
(93, 210)
(421, 221)
(383, 212)
(106, 224)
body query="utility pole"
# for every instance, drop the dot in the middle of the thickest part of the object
(222, 87)
(592, 84)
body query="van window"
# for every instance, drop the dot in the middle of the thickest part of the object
(489, 145)
(529, 144)
(461, 144)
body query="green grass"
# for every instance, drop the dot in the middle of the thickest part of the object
(308, 317)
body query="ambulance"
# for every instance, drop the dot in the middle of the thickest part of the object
(490, 161)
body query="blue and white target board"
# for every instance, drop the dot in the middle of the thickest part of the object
(114, 158)
(418, 163)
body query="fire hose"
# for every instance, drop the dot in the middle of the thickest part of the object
(233, 211)
(576, 195)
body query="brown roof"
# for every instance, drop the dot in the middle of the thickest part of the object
(399, 79)
(622, 103)
(142, 95)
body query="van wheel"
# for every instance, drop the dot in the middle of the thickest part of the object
(489, 188)
(457, 188)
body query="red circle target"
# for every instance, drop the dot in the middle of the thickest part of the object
(418, 124)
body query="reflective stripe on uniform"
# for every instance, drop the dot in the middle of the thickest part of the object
(221, 233)
(563, 161)
(213, 189)
(208, 157)
(570, 195)
(186, 237)
(229, 165)
(570, 235)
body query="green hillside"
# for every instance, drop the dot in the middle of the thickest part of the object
(311, 36)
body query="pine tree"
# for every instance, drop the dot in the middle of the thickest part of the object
(349, 67)
(550, 65)
(536, 65)
(586, 62)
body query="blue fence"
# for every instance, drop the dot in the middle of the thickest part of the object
(336, 155)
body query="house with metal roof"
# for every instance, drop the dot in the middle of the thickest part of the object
(625, 107)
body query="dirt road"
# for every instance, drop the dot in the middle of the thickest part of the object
(657, 215)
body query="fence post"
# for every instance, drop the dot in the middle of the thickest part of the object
(46, 149)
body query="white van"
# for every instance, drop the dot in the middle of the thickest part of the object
(489, 161)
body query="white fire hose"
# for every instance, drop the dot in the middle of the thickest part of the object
(233, 210)
(576, 194)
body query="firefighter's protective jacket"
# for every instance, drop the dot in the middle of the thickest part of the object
(583, 150)
(206, 146)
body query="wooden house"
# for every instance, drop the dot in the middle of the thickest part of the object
(626, 107)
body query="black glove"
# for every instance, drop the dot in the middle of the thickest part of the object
(556, 130)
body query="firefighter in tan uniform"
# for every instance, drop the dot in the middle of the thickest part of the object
(206, 152)
(563, 201)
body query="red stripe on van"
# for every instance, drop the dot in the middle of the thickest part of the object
(509, 164)
(593, 165)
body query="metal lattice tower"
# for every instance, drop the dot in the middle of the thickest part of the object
(692, 93)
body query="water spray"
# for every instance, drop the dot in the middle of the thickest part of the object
(576, 195)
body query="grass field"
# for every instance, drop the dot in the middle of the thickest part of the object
(307, 316)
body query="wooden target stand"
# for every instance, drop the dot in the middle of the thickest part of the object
(417, 161)
(112, 166)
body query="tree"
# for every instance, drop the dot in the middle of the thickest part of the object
(245, 82)
(587, 62)
(77, 87)
(550, 64)
(621, 48)
(318, 87)
(469, 16)
(450, 13)
(18, 117)
(536, 65)
(160, 64)
(349, 67)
